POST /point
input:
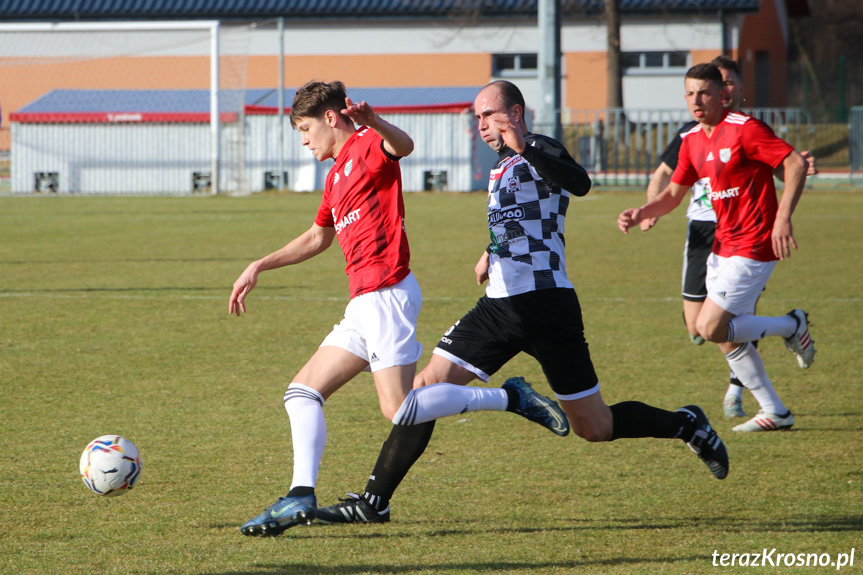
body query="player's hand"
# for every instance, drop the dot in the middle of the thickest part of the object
(362, 114)
(810, 161)
(783, 239)
(244, 284)
(628, 218)
(648, 223)
(510, 131)
(481, 268)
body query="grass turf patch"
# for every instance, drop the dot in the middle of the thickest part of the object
(115, 321)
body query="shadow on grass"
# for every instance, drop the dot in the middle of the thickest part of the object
(92, 261)
(806, 524)
(111, 290)
(467, 566)
(27, 292)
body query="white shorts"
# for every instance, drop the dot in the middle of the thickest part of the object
(380, 326)
(735, 283)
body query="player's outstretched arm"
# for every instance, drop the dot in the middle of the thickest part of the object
(658, 181)
(795, 167)
(662, 204)
(309, 244)
(396, 141)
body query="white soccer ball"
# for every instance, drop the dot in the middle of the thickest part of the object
(110, 465)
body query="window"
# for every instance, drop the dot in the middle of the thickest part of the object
(654, 62)
(514, 65)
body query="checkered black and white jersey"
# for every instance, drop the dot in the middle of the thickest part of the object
(526, 217)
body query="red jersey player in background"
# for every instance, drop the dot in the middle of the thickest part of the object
(737, 154)
(362, 206)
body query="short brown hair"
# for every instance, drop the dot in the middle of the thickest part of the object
(314, 98)
(709, 72)
(726, 63)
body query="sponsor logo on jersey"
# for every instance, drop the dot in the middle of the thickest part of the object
(497, 173)
(350, 217)
(725, 155)
(724, 194)
(336, 179)
(511, 214)
(509, 237)
(709, 157)
(348, 167)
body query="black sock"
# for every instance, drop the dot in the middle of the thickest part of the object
(300, 491)
(513, 399)
(636, 419)
(400, 451)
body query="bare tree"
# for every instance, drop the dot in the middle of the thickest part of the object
(615, 82)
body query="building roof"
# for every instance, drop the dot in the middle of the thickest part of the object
(146, 106)
(132, 106)
(88, 10)
(387, 100)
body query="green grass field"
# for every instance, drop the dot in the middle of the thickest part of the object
(115, 321)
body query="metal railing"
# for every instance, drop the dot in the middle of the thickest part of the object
(855, 142)
(621, 147)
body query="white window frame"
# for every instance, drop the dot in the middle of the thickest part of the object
(518, 71)
(644, 70)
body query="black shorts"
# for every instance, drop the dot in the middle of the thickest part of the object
(699, 244)
(545, 324)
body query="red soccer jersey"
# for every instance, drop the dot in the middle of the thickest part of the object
(738, 158)
(363, 201)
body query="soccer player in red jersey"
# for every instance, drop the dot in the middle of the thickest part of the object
(362, 206)
(736, 156)
(702, 224)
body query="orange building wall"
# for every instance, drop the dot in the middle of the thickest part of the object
(22, 81)
(585, 82)
(374, 71)
(701, 56)
(761, 32)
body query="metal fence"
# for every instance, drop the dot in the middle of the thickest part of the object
(621, 147)
(855, 142)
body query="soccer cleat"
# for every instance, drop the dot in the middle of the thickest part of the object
(354, 509)
(696, 339)
(733, 406)
(800, 343)
(536, 407)
(766, 422)
(705, 443)
(282, 515)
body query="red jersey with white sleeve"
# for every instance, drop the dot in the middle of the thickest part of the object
(738, 160)
(363, 201)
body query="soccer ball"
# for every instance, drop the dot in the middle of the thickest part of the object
(110, 465)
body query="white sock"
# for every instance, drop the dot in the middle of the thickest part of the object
(308, 432)
(754, 327)
(444, 399)
(746, 363)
